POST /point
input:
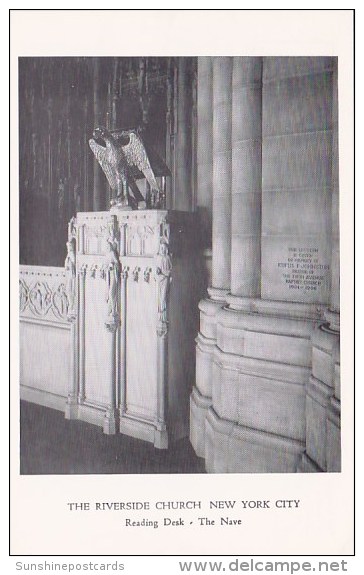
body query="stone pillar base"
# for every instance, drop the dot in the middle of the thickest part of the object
(253, 363)
(161, 439)
(322, 408)
(333, 453)
(233, 448)
(199, 405)
(153, 432)
(306, 465)
(317, 398)
(110, 423)
(71, 409)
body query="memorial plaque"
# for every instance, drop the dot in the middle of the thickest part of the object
(296, 269)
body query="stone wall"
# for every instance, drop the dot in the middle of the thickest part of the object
(267, 393)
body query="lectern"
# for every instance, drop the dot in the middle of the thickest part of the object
(132, 287)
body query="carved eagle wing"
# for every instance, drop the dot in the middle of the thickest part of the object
(136, 155)
(101, 155)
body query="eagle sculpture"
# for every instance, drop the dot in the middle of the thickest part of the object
(122, 156)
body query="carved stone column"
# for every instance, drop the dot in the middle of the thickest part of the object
(333, 421)
(124, 278)
(71, 405)
(215, 92)
(81, 366)
(110, 418)
(323, 406)
(183, 184)
(246, 176)
(111, 269)
(333, 314)
(71, 288)
(163, 279)
(161, 438)
(221, 203)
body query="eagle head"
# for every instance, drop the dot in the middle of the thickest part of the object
(101, 135)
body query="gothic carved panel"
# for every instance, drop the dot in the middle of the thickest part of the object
(43, 293)
(95, 238)
(140, 240)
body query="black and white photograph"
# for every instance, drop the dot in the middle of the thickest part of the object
(179, 251)
(179, 265)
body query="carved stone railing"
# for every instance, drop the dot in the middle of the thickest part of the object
(45, 336)
(42, 294)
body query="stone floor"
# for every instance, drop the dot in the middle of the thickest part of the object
(50, 444)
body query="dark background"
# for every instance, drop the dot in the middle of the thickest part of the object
(61, 100)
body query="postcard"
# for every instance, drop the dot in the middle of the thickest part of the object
(182, 239)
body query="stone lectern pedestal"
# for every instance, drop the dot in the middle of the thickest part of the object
(133, 334)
